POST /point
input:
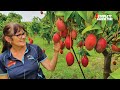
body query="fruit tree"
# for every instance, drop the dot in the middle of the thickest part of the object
(90, 33)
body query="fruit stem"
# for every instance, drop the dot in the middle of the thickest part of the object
(78, 64)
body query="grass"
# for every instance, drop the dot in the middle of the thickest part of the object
(94, 70)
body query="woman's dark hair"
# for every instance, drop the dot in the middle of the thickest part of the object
(9, 30)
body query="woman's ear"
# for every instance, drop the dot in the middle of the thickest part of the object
(8, 39)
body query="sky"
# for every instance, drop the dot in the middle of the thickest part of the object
(27, 15)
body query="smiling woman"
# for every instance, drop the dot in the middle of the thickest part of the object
(21, 60)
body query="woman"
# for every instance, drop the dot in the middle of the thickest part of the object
(20, 60)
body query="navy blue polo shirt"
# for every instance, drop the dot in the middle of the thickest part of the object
(28, 68)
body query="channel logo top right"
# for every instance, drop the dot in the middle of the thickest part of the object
(103, 17)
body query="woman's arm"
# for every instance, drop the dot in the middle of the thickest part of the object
(51, 64)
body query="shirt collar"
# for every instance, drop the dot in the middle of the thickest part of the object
(10, 54)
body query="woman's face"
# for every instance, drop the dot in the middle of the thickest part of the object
(19, 39)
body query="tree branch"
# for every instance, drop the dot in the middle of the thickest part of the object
(115, 52)
(112, 36)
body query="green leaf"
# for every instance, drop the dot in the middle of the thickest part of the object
(91, 28)
(109, 23)
(94, 20)
(67, 15)
(96, 27)
(87, 53)
(103, 23)
(113, 13)
(114, 16)
(89, 16)
(100, 13)
(110, 12)
(78, 18)
(50, 18)
(80, 52)
(116, 74)
(59, 13)
(118, 44)
(99, 31)
(87, 29)
(83, 14)
(55, 29)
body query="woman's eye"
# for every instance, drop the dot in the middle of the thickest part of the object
(23, 33)
(17, 35)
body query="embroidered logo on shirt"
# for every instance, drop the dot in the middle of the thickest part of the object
(30, 57)
(10, 63)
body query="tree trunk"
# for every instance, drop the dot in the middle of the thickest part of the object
(107, 62)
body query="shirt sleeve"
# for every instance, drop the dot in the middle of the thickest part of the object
(41, 55)
(2, 67)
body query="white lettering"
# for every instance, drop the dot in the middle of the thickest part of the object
(104, 17)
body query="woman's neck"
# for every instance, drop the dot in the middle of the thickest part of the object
(16, 49)
(18, 52)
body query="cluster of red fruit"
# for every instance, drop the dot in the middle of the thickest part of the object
(84, 60)
(100, 44)
(68, 36)
(92, 42)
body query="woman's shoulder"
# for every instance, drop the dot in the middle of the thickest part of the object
(0, 55)
(33, 46)
(4, 53)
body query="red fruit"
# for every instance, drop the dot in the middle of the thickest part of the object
(73, 34)
(31, 41)
(29, 38)
(84, 61)
(60, 25)
(80, 44)
(64, 33)
(62, 45)
(101, 45)
(61, 51)
(114, 62)
(56, 37)
(68, 42)
(90, 41)
(43, 50)
(69, 58)
(115, 48)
